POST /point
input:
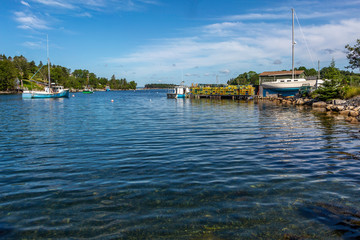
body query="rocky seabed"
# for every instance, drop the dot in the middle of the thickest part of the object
(350, 109)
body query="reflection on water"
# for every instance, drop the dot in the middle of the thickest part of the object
(148, 167)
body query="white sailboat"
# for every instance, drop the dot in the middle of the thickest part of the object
(50, 91)
(277, 81)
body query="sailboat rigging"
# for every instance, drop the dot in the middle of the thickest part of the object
(286, 82)
(50, 91)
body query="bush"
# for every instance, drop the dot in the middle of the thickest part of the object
(330, 89)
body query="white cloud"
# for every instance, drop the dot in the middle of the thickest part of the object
(85, 14)
(256, 16)
(243, 47)
(35, 45)
(225, 71)
(25, 3)
(98, 5)
(29, 21)
(55, 3)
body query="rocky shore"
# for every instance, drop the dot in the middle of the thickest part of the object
(350, 109)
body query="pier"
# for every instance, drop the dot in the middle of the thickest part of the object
(234, 92)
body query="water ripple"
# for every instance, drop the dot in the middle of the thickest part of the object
(147, 167)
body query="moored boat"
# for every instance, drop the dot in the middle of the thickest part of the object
(179, 92)
(88, 89)
(50, 91)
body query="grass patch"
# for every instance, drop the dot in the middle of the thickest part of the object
(31, 85)
(351, 91)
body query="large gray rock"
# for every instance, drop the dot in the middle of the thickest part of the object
(345, 112)
(319, 104)
(339, 108)
(300, 102)
(338, 102)
(353, 113)
(329, 107)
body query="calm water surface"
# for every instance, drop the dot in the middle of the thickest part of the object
(148, 167)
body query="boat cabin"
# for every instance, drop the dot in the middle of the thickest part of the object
(280, 75)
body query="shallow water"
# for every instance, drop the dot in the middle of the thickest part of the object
(148, 167)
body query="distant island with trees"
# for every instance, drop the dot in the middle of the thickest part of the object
(17, 70)
(159, 86)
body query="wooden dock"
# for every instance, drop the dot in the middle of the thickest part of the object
(233, 97)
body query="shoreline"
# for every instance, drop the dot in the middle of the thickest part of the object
(350, 108)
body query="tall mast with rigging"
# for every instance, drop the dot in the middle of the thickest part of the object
(47, 46)
(293, 44)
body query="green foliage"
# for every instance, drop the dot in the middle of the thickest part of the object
(308, 72)
(353, 54)
(19, 67)
(121, 84)
(250, 77)
(333, 87)
(159, 85)
(21, 63)
(332, 72)
(330, 89)
(132, 85)
(351, 91)
(31, 85)
(8, 75)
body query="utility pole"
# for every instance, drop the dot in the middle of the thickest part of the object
(318, 76)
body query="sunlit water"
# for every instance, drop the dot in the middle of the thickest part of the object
(148, 167)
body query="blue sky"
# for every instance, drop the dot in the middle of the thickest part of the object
(165, 41)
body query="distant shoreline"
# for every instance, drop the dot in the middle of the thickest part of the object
(10, 92)
(72, 91)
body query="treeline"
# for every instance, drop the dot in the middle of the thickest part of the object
(159, 85)
(17, 69)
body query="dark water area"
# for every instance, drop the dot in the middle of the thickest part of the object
(148, 167)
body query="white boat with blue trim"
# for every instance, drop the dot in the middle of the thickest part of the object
(179, 92)
(50, 91)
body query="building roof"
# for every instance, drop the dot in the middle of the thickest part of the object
(281, 73)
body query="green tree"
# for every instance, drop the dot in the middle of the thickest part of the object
(132, 85)
(333, 86)
(60, 75)
(22, 65)
(331, 72)
(103, 81)
(8, 74)
(250, 77)
(353, 54)
(308, 72)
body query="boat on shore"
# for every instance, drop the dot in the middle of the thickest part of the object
(280, 80)
(287, 83)
(50, 91)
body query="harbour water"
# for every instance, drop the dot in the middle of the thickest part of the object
(148, 167)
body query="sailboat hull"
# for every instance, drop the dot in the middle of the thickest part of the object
(284, 86)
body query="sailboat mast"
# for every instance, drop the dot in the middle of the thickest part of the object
(47, 45)
(293, 44)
